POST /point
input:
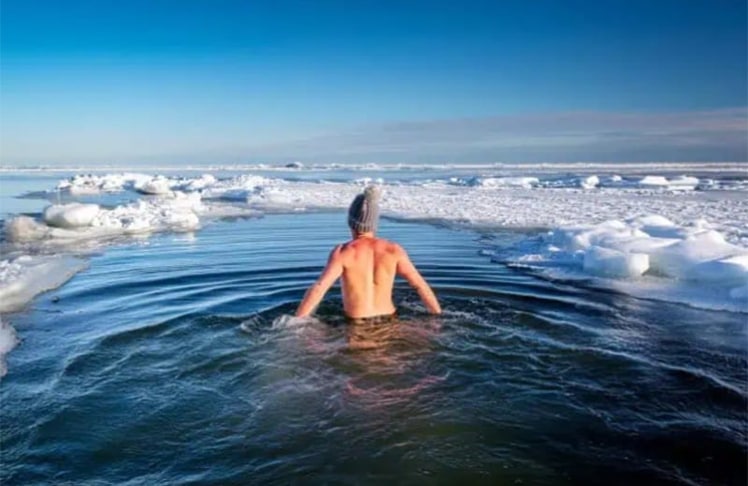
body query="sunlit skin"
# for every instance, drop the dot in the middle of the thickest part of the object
(367, 266)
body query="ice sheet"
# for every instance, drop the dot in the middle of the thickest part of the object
(620, 226)
(25, 276)
(650, 257)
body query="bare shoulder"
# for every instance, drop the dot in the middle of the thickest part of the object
(390, 247)
(338, 251)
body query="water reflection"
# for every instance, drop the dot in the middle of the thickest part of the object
(390, 363)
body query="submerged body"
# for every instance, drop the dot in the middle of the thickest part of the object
(367, 267)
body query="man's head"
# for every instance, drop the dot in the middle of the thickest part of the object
(363, 213)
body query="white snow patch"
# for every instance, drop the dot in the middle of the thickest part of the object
(590, 182)
(605, 262)
(649, 249)
(680, 183)
(495, 182)
(73, 215)
(157, 186)
(26, 276)
(658, 181)
(8, 341)
(176, 212)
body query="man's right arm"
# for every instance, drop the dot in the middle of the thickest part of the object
(407, 270)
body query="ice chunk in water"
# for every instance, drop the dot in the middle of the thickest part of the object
(734, 268)
(678, 260)
(590, 182)
(155, 186)
(604, 262)
(23, 229)
(8, 341)
(73, 215)
(653, 181)
(26, 276)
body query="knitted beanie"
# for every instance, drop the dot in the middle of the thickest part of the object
(363, 214)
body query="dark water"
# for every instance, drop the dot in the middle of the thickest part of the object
(170, 362)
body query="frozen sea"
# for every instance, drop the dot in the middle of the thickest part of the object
(595, 327)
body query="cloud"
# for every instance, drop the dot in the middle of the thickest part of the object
(572, 136)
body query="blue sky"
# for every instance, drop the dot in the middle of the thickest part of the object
(242, 81)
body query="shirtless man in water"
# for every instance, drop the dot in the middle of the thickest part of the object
(368, 266)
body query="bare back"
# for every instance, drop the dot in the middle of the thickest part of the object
(369, 269)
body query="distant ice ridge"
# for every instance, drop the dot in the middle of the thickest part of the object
(614, 181)
(83, 184)
(493, 182)
(231, 188)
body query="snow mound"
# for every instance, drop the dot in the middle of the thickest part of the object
(176, 212)
(590, 182)
(73, 215)
(688, 257)
(23, 229)
(156, 186)
(604, 262)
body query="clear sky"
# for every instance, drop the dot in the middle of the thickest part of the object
(363, 81)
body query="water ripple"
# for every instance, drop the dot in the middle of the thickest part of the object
(165, 358)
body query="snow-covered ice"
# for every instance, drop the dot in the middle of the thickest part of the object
(74, 221)
(25, 276)
(74, 215)
(680, 257)
(620, 225)
(8, 341)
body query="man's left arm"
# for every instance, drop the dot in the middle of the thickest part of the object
(317, 291)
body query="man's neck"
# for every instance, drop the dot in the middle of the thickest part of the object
(359, 236)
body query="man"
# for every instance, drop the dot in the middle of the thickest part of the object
(368, 266)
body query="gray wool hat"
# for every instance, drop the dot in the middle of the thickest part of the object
(363, 213)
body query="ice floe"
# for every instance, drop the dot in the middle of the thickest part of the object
(589, 182)
(25, 276)
(73, 215)
(8, 341)
(681, 258)
(21, 279)
(75, 221)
